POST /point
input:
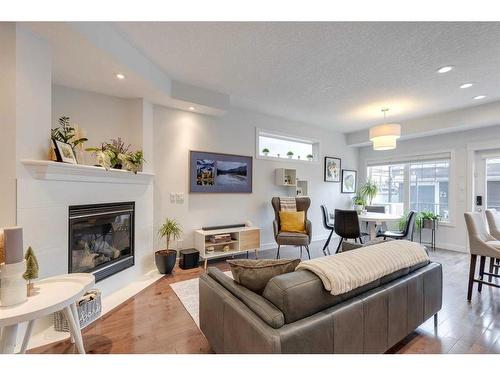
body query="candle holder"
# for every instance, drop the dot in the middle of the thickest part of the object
(13, 290)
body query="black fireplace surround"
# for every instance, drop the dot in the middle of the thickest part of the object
(101, 238)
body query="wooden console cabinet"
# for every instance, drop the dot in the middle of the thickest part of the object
(243, 239)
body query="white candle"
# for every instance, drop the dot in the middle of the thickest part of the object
(13, 244)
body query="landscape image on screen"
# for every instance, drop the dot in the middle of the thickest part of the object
(231, 173)
(205, 172)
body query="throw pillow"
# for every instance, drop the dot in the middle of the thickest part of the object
(255, 274)
(293, 221)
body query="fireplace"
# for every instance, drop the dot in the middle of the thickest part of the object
(101, 238)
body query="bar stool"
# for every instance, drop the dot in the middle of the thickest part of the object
(481, 244)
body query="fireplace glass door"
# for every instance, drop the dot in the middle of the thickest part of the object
(101, 238)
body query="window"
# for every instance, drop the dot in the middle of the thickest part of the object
(493, 183)
(279, 146)
(429, 187)
(420, 185)
(390, 182)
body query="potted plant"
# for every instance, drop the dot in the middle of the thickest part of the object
(369, 190)
(428, 220)
(165, 259)
(359, 202)
(310, 157)
(67, 133)
(132, 161)
(265, 151)
(109, 154)
(289, 154)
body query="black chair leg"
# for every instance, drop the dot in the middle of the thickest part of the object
(338, 247)
(492, 261)
(325, 247)
(308, 253)
(278, 254)
(361, 240)
(472, 271)
(481, 273)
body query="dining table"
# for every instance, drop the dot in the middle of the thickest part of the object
(377, 218)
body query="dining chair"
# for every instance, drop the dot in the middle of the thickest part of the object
(406, 233)
(493, 219)
(346, 226)
(292, 238)
(328, 226)
(483, 245)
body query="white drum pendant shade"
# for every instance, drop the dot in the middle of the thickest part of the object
(384, 136)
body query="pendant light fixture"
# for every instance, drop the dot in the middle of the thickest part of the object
(384, 136)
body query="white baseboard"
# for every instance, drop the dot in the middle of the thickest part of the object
(274, 245)
(452, 247)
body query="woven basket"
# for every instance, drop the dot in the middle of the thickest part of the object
(88, 311)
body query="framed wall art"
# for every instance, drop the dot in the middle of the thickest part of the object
(332, 169)
(349, 181)
(211, 172)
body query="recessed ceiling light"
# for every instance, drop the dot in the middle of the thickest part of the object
(445, 69)
(192, 108)
(120, 76)
(479, 97)
(466, 85)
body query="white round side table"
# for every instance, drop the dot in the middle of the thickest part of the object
(53, 294)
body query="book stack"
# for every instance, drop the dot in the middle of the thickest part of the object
(218, 238)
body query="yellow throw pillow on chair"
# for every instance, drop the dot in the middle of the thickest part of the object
(293, 221)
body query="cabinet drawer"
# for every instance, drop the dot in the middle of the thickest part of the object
(250, 239)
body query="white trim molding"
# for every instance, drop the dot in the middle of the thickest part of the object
(51, 170)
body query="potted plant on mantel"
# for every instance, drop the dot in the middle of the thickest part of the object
(289, 154)
(165, 259)
(265, 151)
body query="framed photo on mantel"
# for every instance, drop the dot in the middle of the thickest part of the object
(349, 181)
(332, 169)
(210, 172)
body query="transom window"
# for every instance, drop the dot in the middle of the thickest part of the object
(286, 147)
(420, 185)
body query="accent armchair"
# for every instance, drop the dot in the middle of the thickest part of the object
(481, 244)
(292, 238)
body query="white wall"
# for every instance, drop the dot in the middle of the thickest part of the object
(177, 132)
(8, 124)
(450, 237)
(101, 116)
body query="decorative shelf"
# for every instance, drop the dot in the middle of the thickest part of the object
(55, 171)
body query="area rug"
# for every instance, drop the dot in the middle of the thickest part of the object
(188, 293)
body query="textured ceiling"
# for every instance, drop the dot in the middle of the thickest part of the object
(337, 75)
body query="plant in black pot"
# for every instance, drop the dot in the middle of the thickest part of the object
(428, 220)
(171, 230)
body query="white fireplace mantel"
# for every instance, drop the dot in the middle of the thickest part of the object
(55, 171)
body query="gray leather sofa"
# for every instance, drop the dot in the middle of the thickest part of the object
(295, 314)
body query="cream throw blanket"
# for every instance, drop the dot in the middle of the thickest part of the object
(343, 272)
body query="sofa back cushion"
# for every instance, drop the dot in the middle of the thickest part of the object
(254, 274)
(301, 293)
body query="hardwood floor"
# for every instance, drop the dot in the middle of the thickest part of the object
(155, 321)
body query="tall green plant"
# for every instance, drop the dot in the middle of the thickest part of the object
(170, 230)
(369, 190)
(66, 133)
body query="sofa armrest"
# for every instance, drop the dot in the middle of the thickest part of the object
(258, 304)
